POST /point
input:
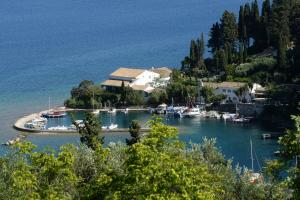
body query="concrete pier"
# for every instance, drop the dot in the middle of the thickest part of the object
(20, 123)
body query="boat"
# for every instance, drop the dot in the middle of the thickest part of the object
(192, 112)
(170, 110)
(95, 111)
(161, 109)
(240, 120)
(53, 113)
(112, 126)
(229, 116)
(104, 127)
(277, 153)
(39, 120)
(58, 128)
(254, 177)
(266, 136)
(125, 111)
(112, 111)
(32, 125)
(79, 121)
(178, 111)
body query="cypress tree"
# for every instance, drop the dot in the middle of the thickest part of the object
(241, 52)
(281, 55)
(241, 24)
(215, 39)
(265, 23)
(134, 130)
(229, 31)
(201, 47)
(123, 93)
(193, 53)
(255, 23)
(247, 19)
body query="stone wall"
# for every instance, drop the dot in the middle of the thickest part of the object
(245, 109)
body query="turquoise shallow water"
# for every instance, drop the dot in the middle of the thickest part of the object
(47, 47)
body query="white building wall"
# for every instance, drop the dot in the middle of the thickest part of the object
(231, 95)
(145, 78)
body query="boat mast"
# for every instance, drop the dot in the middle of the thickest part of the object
(49, 104)
(93, 100)
(252, 160)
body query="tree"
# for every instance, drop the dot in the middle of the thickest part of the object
(215, 40)
(247, 19)
(255, 23)
(193, 54)
(123, 93)
(282, 57)
(90, 131)
(134, 130)
(265, 22)
(201, 47)
(229, 31)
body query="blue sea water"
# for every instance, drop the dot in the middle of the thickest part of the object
(47, 47)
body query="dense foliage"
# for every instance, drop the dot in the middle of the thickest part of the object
(157, 166)
(249, 43)
(89, 95)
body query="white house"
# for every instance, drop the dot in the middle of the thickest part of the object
(229, 89)
(137, 79)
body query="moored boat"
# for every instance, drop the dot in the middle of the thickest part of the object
(112, 111)
(54, 114)
(161, 109)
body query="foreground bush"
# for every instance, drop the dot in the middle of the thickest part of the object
(156, 167)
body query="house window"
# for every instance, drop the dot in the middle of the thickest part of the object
(229, 91)
(224, 90)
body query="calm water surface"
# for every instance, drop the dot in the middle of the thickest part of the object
(47, 47)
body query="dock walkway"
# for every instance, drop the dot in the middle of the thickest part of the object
(20, 123)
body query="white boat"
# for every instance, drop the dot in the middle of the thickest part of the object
(192, 112)
(179, 111)
(170, 110)
(104, 127)
(39, 120)
(254, 177)
(240, 120)
(266, 136)
(112, 126)
(58, 128)
(229, 116)
(161, 109)
(112, 111)
(79, 121)
(95, 111)
(125, 111)
(32, 125)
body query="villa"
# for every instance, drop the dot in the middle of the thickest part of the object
(142, 80)
(229, 89)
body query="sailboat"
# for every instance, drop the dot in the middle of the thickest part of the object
(112, 125)
(95, 111)
(53, 113)
(254, 177)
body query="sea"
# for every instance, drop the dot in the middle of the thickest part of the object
(48, 47)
